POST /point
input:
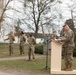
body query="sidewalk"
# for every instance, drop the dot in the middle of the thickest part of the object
(20, 57)
(17, 58)
(2, 73)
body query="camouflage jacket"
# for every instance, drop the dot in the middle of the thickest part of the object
(22, 39)
(54, 37)
(11, 39)
(68, 38)
(31, 41)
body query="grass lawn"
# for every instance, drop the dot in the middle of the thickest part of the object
(35, 66)
(4, 50)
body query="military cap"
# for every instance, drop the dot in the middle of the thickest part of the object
(64, 25)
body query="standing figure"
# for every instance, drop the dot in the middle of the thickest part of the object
(63, 48)
(11, 39)
(54, 36)
(31, 46)
(22, 42)
(68, 39)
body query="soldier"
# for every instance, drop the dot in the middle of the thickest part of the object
(11, 39)
(68, 39)
(54, 36)
(63, 48)
(22, 42)
(31, 45)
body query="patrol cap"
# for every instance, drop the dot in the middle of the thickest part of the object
(64, 25)
(54, 31)
(22, 32)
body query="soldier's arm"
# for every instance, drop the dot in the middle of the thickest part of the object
(24, 38)
(68, 36)
(13, 38)
(7, 38)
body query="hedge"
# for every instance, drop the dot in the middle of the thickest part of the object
(39, 49)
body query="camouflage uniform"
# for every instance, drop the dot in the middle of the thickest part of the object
(11, 39)
(63, 48)
(55, 37)
(68, 45)
(31, 47)
(22, 42)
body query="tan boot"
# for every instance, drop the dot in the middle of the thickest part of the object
(66, 67)
(70, 68)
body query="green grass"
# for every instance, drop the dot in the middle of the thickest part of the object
(35, 66)
(4, 50)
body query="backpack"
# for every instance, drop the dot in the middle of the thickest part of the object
(33, 41)
(24, 39)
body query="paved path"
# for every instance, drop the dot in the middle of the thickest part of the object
(16, 58)
(2, 73)
(19, 58)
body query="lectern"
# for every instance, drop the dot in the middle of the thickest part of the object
(56, 50)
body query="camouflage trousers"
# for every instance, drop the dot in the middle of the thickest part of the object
(11, 48)
(21, 49)
(68, 55)
(31, 52)
(63, 52)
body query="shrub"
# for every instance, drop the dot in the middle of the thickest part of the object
(39, 49)
(74, 52)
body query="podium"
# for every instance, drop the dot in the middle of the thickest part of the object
(56, 53)
(56, 50)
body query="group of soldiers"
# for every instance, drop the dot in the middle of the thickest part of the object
(31, 42)
(67, 40)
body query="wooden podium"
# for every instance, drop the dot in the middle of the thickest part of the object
(56, 50)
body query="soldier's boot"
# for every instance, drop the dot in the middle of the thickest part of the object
(70, 68)
(29, 58)
(33, 57)
(66, 67)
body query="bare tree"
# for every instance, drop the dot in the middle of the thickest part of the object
(38, 12)
(5, 8)
(5, 17)
(72, 9)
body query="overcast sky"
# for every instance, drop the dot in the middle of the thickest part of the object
(66, 14)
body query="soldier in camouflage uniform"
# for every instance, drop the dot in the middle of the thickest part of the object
(54, 36)
(22, 42)
(11, 39)
(63, 48)
(31, 46)
(68, 39)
